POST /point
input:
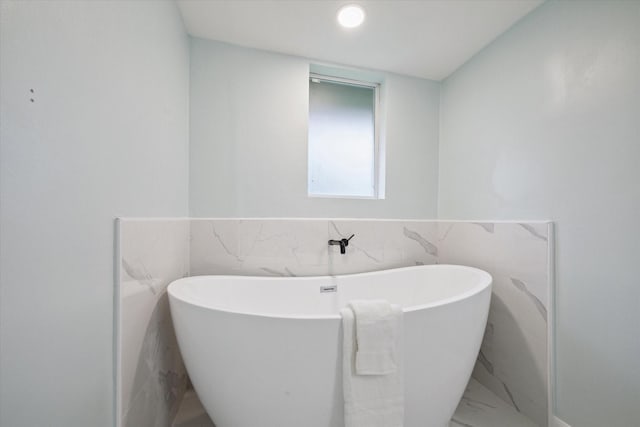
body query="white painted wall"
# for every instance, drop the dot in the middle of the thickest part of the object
(545, 123)
(249, 111)
(106, 135)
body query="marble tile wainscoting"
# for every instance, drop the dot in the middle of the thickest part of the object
(150, 376)
(513, 362)
(298, 247)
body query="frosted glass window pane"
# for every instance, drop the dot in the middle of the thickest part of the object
(341, 139)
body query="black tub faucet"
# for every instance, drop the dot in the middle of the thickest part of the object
(342, 242)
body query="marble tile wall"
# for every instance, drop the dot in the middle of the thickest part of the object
(151, 378)
(298, 247)
(513, 360)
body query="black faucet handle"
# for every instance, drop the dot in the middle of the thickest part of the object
(345, 241)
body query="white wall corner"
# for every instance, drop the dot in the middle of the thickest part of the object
(117, 332)
(557, 422)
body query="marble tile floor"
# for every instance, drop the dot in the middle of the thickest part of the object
(191, 413)
(479, 407)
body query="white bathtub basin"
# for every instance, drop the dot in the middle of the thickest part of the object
(266, 352)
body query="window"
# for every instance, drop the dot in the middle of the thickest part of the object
(343, 147)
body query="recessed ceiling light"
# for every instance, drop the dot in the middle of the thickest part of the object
(351, 16)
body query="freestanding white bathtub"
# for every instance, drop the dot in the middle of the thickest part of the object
(266, 352)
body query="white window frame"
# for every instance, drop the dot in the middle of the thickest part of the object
(316, 77)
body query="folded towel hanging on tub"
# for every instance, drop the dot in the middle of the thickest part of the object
(376, 329)
(373, 374)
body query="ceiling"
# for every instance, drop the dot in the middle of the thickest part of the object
(428, 38)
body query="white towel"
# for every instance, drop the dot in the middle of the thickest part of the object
(372, 400)
(376, 325)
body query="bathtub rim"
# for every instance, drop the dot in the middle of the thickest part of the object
(485, 281)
